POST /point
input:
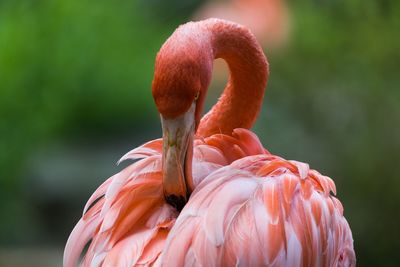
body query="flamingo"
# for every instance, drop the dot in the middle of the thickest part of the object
(208, 193)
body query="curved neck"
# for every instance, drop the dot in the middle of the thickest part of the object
(241, 100)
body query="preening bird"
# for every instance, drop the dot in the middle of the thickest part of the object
(208, 193)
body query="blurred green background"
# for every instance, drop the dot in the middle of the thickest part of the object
(75, 79)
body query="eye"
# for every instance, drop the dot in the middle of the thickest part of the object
(197, 95)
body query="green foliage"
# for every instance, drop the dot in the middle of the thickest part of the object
(67, 65)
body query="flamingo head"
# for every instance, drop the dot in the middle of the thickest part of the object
(179, 86)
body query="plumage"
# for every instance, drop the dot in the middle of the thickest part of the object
(290, 219)
(239, 204)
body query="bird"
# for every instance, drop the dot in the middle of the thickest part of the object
(208, 193)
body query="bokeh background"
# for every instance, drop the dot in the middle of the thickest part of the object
(75, 79)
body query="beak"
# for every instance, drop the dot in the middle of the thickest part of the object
(177, 157)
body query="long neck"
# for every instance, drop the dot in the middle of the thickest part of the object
(241, 100)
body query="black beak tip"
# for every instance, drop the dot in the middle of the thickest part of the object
(178, 202)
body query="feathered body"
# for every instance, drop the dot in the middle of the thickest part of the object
(247, 207)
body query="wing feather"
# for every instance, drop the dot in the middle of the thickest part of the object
(241, 216)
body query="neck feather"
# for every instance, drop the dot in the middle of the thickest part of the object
(241, 100)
